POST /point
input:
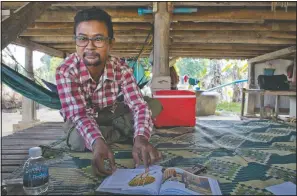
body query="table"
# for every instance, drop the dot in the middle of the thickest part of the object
(262, 93)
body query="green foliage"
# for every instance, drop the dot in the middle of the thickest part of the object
(194, 68)
(54, 63)
(229, 107)
(48, 70)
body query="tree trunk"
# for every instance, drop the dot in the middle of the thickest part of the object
(215, 73)
(236, 88)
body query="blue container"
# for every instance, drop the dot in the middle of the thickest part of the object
(269, 72)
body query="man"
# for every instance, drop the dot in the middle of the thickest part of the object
(90, 81)
(174, 78)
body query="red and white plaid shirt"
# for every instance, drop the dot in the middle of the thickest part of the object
(75, 86)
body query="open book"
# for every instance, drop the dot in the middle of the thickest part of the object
(171, 181)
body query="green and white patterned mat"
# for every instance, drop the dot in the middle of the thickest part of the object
(244, 156)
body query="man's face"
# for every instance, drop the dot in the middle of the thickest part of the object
(91, 54)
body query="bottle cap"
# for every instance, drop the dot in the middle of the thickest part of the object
(35, 152)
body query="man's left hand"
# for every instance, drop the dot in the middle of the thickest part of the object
(145, 151)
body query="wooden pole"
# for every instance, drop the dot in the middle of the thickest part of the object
(161, 71)
(251, 98)
(294, 73)
(28, 106)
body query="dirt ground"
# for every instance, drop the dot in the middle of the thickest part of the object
(14, 116)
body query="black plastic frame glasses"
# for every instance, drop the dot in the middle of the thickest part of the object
(98, 41)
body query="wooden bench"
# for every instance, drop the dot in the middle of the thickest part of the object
(262, 93)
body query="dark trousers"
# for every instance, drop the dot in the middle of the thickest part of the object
(115, 126)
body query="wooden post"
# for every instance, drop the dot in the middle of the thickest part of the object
(251, 98)
(294, 73)
(276, 109)
(161, 71)
(242, 103)
(28, 106)
(261, 106)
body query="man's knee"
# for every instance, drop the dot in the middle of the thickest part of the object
(73, 139)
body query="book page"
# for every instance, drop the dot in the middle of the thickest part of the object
(133, 181)
(286, 188)
(178, 181)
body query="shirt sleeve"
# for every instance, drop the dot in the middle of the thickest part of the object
(143, 124)
(74, 108)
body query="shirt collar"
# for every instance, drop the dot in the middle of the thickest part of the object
(85, 75)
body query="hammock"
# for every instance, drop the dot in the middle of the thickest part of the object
(34, 91)
(29, 88)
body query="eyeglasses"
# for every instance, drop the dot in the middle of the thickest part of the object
(83, 41)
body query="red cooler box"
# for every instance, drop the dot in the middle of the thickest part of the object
(179, 108)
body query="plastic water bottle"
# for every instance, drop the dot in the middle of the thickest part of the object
(36, 176)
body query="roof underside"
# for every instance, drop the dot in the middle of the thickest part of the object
(217, 30)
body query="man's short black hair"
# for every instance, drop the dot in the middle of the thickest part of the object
(94, 14)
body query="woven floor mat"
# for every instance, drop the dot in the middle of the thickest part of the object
(244, 156)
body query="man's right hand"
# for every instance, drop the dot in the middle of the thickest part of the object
(101, 152)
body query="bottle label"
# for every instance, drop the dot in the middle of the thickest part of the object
(35, 175)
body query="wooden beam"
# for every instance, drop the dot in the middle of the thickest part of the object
(39, 47)
(118, 15)
(273, 55)
(179, 40)
(199, 53)
(234, 40)
(195, 55)
(267, 26)
(15, 5)
(246, 52)
(175, 50)
(185, 26)
(235, 15)
(116, 26)
(69, 39)
(12, 5)
(69, 32)
(207, 15)
(216, 52)
(248, 34)
(116, 45)
(228, 4)
(201, 34)
(254, 53)
(188, 54)
(18, 22)
(103, 4)
(188, 46)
